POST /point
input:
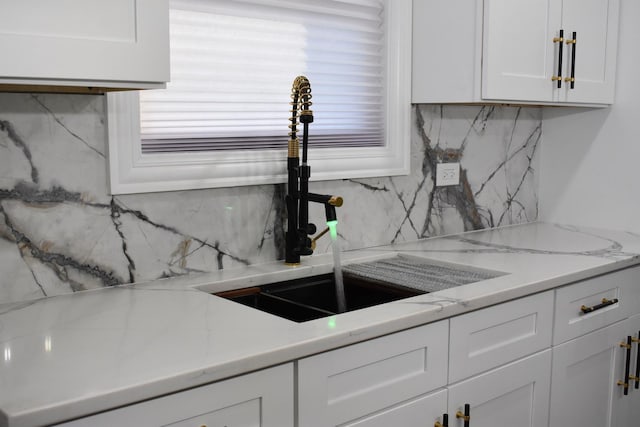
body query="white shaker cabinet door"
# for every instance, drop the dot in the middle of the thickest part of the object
(519, 56)
(516, 394)
(259, 399)
(585, 375)
(115, 43)
(631, 402)
(595, 23)
(376, 377)
(420, 412)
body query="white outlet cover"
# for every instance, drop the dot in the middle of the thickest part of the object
(447, 174)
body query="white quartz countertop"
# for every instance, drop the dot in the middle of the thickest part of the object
(68, 356)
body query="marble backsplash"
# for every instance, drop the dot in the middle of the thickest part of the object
(61, 231)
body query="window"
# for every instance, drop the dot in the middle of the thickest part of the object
(222, 121)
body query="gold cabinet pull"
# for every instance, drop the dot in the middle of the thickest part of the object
(462, 416)
(466, 415)
(636, 377)
(627, 376)
(445, 421)
(572, 42)
(559, 40)
(605, 303)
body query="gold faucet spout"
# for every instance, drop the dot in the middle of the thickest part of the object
(300, 109)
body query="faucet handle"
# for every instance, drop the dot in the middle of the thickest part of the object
(336, 201)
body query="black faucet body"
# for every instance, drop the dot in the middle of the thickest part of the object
(298, 242)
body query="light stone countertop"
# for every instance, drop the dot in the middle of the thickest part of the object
(73, 355)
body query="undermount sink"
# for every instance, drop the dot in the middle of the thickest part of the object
(365, 284)
(315, 297)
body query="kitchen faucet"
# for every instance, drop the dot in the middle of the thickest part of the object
(298, 197)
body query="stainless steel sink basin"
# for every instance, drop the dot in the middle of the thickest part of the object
(366, 284)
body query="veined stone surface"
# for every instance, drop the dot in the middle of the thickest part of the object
(61, 231)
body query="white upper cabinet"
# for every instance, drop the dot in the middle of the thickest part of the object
(84, 43)
(595, 24)
(518, 49)
(510, 51)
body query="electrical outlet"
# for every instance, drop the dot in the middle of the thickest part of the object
(447, 174)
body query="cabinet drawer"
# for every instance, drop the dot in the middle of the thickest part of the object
(260, 399)
(420, 412)
(355, 381)
(571, 322)
(493, 336)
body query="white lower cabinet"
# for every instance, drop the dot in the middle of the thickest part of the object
(513, 395)
(376, 381)
(591, 334)
(630, 414)
(516, 364)
(585, 375)
(260, 399)
(500, 364)
(497, 360)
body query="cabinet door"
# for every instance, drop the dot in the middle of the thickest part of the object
(519, 56)
(584, 390)
(260, 399)
(70, 42)
(356, 382)
(516, 394)
(447, 51)
(631, 403)
(420, 412)
(596, 25)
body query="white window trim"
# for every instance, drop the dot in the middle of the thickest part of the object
(133, 172)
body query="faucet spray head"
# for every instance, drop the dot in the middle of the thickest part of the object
(300, 104)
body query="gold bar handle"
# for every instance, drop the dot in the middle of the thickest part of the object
(465, 416)
(559, 40)
(573, 43)
(627, 375)
(444, 423)
(462, 416)
(605, 303)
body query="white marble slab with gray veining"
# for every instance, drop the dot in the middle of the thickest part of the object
(86, 352)
(61, 231)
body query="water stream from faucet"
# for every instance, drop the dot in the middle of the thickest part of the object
(337, 267)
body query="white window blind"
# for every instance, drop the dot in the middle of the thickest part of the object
(361, 94)
(233, 63)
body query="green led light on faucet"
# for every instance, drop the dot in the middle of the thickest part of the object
(333, 229)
